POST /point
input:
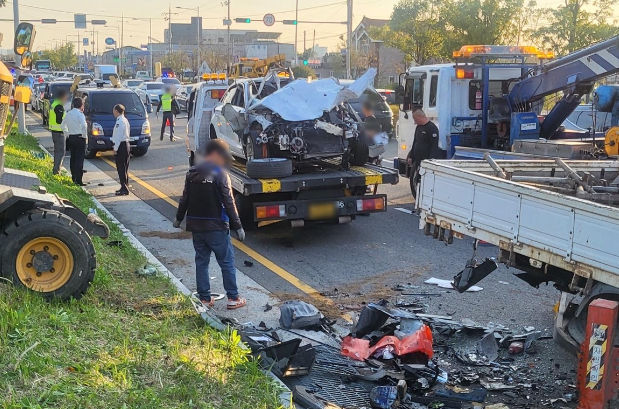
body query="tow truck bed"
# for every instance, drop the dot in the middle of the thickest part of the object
(320, 192)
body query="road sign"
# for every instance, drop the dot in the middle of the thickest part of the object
(227, 22)
(268, 19)
(80, 21)
(48, 21)
(110, 41)
(290, 22)
(85, 41)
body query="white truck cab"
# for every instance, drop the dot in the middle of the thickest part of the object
(207, 95)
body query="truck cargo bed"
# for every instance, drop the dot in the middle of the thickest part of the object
(548, 227)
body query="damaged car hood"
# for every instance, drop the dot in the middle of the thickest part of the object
(303, 101)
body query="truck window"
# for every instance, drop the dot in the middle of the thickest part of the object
(239, 100)
(413, 94)
(495, 89)
(227, 99)
(433, 90)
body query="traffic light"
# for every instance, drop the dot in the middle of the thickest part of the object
(305, 62)
(290, 22)
(243, 20)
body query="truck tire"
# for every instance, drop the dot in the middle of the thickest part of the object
(359, 153)
(269, 168)
(90, 154)
(137, 152)
(49, 253)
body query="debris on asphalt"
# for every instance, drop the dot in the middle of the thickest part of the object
(388, 397)
(298, 314)
(450, 284)
(516, 348)
(473, 273)
(248, 263)
(268, 307)
(488, 347)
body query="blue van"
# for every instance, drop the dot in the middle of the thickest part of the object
(98, 107)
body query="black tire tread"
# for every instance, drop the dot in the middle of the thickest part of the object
(258, 169)
(74, 288)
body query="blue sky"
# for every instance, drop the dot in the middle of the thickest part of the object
(212, 12)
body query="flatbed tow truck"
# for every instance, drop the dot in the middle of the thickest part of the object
(322, 192)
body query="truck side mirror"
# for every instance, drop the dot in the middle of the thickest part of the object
(399, 94)
(24, 38)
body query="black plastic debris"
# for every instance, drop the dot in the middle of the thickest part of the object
(488, 347)
(268, 307)
(388, 397)
(473, 273)
(437, 400)
(467, 395)
(308, 400)
(284, 359)
(296, 314)
(371, 318)
(248, 263)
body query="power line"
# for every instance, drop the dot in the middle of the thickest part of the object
(71, 12)
(306, 8)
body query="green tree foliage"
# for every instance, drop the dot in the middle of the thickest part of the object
(576, 24)
(62, 58)
(303, 71)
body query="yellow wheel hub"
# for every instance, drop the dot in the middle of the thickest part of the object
(44, 264)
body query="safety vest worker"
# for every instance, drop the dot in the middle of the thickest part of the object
(55, 117)
(165, 104)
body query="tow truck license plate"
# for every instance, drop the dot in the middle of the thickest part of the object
(318, 211)
(133, 138)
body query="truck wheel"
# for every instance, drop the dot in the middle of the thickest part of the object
(359, 153)
(90, 154)
(49, 253)
(269, 168)
(137, 152)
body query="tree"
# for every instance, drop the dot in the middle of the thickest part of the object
(303, 71)
(61, 58)
(216, 57)
(577, 24)
(178, 61)
(414, 29)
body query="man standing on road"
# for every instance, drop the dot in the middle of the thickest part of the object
(211, 213)
(425, 145)
(55, 117)
(76, 131)
(165, 103)
(120, 139)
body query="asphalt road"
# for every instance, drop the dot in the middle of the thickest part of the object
(362, 261)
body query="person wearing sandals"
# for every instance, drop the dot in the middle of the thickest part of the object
(208, 203)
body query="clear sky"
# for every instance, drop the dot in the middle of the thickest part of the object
(212, 12)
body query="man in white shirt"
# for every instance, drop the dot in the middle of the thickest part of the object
(120, 139)
(76, 132)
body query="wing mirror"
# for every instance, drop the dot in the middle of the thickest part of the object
(24, 38)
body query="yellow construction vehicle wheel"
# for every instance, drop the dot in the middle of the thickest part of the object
(611, 141)
(49, 253)
(44, 264)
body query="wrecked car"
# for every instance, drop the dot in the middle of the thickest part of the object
(277, 124)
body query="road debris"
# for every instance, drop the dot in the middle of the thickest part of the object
(450, 284)
(298, 314)
(388, 397)
(516, 348)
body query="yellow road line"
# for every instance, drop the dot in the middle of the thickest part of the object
(307, 289)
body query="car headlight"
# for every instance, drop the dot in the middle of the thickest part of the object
(146, 128)
(97, 129)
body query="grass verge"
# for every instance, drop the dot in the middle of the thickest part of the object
(130, 342)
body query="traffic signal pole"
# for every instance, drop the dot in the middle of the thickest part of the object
(348, 37)
(21, 111)
(296, 32)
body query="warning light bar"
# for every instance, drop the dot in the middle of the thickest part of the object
(467, 51)
(214, 77)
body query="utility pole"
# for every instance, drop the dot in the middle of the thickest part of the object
(314, 43)
(348, 37)
(199, 37)
(170, 28)
(79, 40)
(150, 44)
(21, 112)
(229, 24)
(122, 44)
(296, 32)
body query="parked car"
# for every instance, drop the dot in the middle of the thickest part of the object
(98, 109)
(36, 98)
(182, 95)
(387, 94)
(51, 90)
(150, 90)
(584, 115)
(276, 124)
(142, 75)
(132, 84)
(382, 111)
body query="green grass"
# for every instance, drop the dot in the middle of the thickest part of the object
(130, 342)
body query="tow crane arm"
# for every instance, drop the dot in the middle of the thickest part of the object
(575, 74)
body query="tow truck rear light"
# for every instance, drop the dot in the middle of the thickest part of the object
(364, 205)
(461, 73)
(217, 93)
(270, 212)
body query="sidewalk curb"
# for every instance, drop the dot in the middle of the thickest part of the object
(286, 396)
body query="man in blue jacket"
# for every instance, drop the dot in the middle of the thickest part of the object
(208, 202)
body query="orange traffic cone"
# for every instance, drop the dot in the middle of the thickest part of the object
(167, 122)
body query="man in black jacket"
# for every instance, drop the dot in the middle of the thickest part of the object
(208, 202)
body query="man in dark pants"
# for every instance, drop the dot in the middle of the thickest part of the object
(425, 146)
(55, 117)
(165, 104)
(76, 131)
(120, 139)
(208, 202)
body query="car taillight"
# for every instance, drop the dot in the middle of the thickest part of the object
(364, 205)
(217, 93)
(270, 212)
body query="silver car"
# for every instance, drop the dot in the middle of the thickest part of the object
(150, 91)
